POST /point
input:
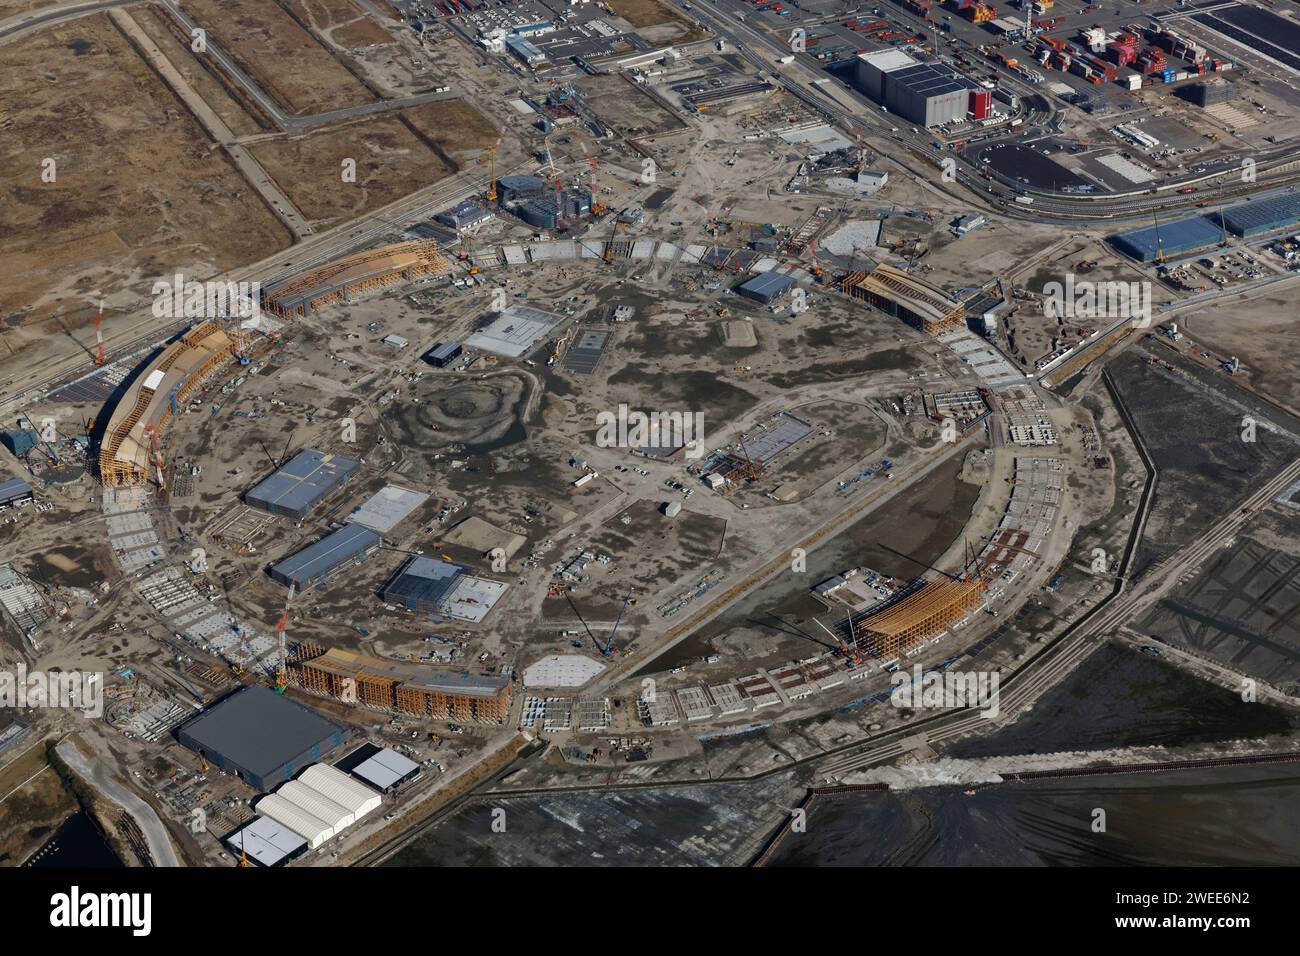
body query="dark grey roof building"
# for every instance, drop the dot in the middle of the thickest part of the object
(313, 565)
(765, 287)
(443, 354)
(260, 736)
(422, 583)
(304, 480)
(520, 188)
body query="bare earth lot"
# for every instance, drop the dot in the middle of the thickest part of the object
(285, 59)
(137, 193)
(394, 155)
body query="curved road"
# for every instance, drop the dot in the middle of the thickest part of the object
(94, 773)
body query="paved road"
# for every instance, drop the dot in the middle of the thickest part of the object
(287, 122)
(1047, 207)
(252, 171)
(14, 27)
(97, 775)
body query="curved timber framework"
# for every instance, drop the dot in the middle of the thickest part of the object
(363, 272)
(146, 410)
(397, 686)
(903, 295)
(918, 617)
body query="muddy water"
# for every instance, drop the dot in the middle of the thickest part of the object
(1228, 816)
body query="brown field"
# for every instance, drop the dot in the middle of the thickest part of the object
(393, 158)
(1263, 334)
(455, 128)
(349, 23)
(139, 191)
(215, 93)
(30, 815)
(364, 32)
(649, 13)
(391, 162)
(283, 58)
(395, 154)
(10, 8)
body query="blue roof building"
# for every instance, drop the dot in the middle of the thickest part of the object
(314, 564)
(1263, 215)
(765, 287)
(303, 481)
(1169, 239)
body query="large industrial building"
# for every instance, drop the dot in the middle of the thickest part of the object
(149, 404)
(512, 189)
(406, 688)
(549, 212)
(515, 332)
(1262, 215)
(1168, 239)
(14, 491)
(260, 736)
(386, 770)
(294, 488)
(903, 295)
(765, 287)
(266, 842)
(422, 584)
(927, 94)
(316, 563)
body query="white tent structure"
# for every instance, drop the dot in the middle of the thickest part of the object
(321, 807)
(311, 828)
(337, 786)
(320, 804)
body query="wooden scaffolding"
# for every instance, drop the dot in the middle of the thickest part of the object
(363, 272)
(917, 617)
(405, 688)
(182, 369)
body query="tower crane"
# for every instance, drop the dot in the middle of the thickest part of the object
(282, 669)
(99, 335)
(849, 651)
(156, 455)
(492, 175)
(609, 644)
(818, 273)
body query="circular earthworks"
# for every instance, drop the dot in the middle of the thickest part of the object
(480, 414)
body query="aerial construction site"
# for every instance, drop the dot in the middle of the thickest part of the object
(646, 418)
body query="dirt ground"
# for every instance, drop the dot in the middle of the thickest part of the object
(1262, 333)
(137, 193)
(652, 13)
(197, 72)
(394, 155)
(31, 814)
(283, 57)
